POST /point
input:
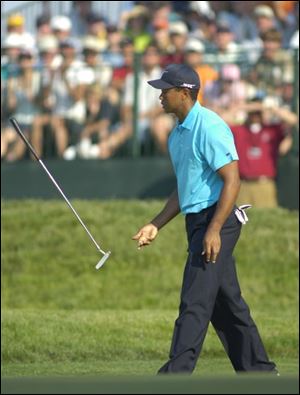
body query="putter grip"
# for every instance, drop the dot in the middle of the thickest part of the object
(20, 133)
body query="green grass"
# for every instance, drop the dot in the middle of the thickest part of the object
(118, 342)
(62, 317)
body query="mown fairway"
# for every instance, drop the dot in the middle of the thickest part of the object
(62, 317)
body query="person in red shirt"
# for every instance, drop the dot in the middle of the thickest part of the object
(119, 73)
(259, 144)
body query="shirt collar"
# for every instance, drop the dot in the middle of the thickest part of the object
(191, 116)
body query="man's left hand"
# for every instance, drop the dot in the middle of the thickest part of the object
(211, 245)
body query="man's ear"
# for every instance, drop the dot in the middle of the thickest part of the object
(186, 93)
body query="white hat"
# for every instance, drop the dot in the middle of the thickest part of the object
(202, 8)
(178, 28)
(264, 10)
(47, 43)
(194, 45)
(13, 40)
(60, 22)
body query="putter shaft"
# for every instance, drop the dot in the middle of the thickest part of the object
(23, 137)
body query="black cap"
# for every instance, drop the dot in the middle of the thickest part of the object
(177, 76)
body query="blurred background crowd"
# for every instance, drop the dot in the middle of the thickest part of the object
(77, 82)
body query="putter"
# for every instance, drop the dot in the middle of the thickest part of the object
(20, 133)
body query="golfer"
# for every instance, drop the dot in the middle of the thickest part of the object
(204, 158)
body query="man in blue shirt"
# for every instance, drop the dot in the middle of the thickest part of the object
(204, 158)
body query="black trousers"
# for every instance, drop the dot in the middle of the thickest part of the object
(211, 293)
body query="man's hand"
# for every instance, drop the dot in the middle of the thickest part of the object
(211, 245)
(145, 235)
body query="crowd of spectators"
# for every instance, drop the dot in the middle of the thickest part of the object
(71, 86)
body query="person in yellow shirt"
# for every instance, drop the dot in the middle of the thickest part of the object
(136, 27)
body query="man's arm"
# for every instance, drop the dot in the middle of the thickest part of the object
(212, 240)
(148, 232)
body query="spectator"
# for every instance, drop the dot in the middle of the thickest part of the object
(114, 38)
(91, 53)
(11, 50)
(258, 146)
(226, 94)
(287, 14)
(152, 123)
(163, 14)
(113, 53)
(43, 27)
(21, 94)
(161, 35)
(50, 61)
(119, 73)
(193, 56)
(97, 29)
(102, 120)
(265, 20)
(201, 8)
(178, 35)
(79, 17)
(68, 86)
(202, 25)
(16, 24)
(9, 69)
(226, 50)
(274, 67)
(137, 27)
(61, 27)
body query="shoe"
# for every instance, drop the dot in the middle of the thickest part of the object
(275, 371)
(70, 153)
(83, 148)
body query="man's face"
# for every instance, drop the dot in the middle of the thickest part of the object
(193, 58)
(151, 58)
(255, 120)
(271, 48)
(179, 41)
(171, 99)
(223, 39)
(90, 56)
(264, 23)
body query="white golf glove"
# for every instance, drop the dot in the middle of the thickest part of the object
(241, 214)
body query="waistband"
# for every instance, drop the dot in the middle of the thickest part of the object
(202, 212)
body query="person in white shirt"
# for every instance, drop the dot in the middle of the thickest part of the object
(151, 120)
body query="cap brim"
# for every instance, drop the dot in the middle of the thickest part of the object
(160, 84)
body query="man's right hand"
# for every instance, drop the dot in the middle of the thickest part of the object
(146, 235)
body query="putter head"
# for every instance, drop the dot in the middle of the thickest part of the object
(102, 260)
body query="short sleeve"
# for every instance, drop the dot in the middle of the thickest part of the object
(219, 148)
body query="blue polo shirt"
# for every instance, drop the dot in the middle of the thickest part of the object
(199, 146)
